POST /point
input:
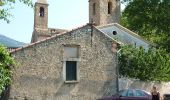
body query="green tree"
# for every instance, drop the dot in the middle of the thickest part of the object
(7, 5)
(6, 61)
(150, 19)
(146, 65)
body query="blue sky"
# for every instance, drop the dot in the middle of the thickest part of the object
(65, 14)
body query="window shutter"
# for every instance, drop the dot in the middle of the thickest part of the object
(71, 70)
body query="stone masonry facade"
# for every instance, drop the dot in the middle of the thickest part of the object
(101, 16)
(41, 22)
(39, 74)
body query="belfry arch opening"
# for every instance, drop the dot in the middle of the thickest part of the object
(109, 7)
(41, 13)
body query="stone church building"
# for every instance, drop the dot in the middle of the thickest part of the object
(71, 65)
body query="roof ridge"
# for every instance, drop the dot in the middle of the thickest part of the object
(48, 38)
(126, 29)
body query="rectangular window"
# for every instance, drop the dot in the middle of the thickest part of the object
(71, 70)
(71, 63)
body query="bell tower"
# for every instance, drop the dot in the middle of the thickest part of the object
(40, 20)
(103, 12)
(41, 15)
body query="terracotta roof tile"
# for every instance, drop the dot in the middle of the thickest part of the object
(48, 38)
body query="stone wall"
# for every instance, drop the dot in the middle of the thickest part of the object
(106, 18)
(101, 17)
(40, 22)
(163, 88)
(39, 74)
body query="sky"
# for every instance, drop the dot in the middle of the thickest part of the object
(64, 14)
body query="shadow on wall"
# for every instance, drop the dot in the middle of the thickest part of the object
(110, 85)
(5, 94)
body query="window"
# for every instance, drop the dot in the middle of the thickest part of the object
(71, 70)
(123, 93)
(70, 63)
(109, 7)
(130, 93)
(94, 8)
(41, 12)
(139, 93)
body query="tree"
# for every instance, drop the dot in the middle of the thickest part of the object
(6, 61)
(146, 65)
(150, 19)
(6, 5)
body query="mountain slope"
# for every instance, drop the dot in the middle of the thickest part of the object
(10, 43)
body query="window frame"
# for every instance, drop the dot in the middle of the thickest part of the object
(141, 92)
(77, 73)
(77, 60)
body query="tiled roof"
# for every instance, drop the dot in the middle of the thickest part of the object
(123, 35)
(48, 38)
(56, 35)
(10, 43)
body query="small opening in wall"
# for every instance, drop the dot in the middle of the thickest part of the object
(94, 8)
(109, 7)
(114, 33)
(41, 12)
